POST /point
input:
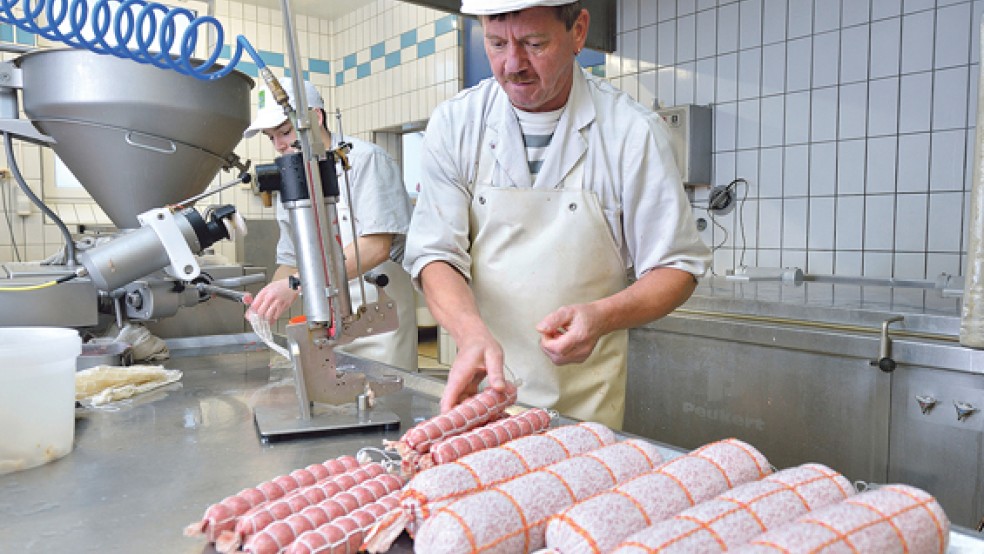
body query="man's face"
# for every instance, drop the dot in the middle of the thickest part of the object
(282, 137)
(532, 56)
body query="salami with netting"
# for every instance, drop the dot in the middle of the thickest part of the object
(511, 517)
(598, 523)
(893, 518)
(736, 516)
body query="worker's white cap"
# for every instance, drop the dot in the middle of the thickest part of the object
(269, 114)
(493, 7)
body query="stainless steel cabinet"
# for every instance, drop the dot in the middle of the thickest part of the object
(695, 381)
(934, 449)
(788, 369)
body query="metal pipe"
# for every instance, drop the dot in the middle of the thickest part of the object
(840, 327)
(320, 261)
(972, 317)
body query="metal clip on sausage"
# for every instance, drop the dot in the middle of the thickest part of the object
(308, 188)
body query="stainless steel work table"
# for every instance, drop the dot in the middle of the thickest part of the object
(141, 472)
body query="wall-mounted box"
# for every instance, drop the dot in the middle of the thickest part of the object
(690, 136)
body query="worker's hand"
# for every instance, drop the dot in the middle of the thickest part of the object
(271, 302)
(479, 355)
(569, 334)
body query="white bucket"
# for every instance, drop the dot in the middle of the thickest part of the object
(37, 395)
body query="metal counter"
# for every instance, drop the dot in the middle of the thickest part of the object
(141, 472)
(146, 468)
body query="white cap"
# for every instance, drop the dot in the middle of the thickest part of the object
(269, 114)
(493, 7)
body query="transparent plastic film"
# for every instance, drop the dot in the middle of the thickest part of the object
(262, 329)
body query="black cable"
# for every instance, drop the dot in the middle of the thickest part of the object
(730, 189)
(65, 279)
(8, 145)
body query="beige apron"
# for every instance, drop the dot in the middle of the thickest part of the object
(397, 348)
(540, 249)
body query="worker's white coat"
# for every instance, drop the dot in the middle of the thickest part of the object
(606, 143)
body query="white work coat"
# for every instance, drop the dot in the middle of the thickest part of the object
(382, 206)
(623, 153)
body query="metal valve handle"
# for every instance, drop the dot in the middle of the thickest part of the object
(964, 410)
(926, 402)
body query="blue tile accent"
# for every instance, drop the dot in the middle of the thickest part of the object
(24, 37)
(392, 59)
(444, 25)
(377, 51)
(248, 68)
(320, 66)
(408, 38)
(425, 48)
(6, 33)
(272, 59)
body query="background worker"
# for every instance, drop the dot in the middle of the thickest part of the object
(381, 209)
(540, 189)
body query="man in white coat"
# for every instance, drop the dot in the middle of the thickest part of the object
(381, 209)
(541, 189)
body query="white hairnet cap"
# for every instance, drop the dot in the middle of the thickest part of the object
(492, 7)
(269, 114)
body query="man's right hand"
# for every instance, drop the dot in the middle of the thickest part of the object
(479, 355)
(275, 299)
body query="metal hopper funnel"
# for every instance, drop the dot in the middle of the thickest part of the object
(136, 136)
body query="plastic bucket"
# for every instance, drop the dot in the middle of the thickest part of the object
(37, 395)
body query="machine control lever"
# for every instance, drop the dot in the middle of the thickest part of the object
(885, 361)
(964, 410)
(926, 403)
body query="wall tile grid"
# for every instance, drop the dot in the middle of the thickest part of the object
(852, 121)
(383, 65)
(22, 237)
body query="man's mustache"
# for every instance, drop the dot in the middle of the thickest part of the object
(520, 78)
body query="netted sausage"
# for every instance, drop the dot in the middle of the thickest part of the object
(893, 518)
(511, 517)
(438, 486)
(597, 524)
(344, 535)
(279, 534)
(735, 516)
(223, 515)
(441, 485)
(477, 410)
(494, 434)
(263, 515)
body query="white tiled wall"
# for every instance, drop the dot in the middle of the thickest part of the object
(852, 121)
(386, 98)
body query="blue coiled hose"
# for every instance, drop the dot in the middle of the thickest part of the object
(128, 22)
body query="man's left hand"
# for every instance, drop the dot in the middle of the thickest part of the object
(569, 334)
